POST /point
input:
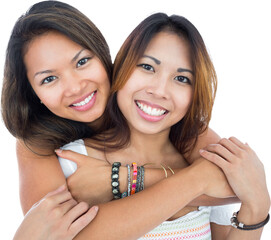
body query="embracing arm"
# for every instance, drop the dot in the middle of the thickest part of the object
(136, 215)
(86, 175)
(246, 175)
(38, 175)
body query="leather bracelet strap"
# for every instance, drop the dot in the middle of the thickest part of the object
(235, 223)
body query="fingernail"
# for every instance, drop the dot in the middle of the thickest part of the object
(62, 187)
(58, 151)
(201, 151)
(96, 208)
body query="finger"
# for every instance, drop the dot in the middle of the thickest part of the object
(62, 188)
(76, 212)
(231, 146)
(70, 155)
(83, 221)
(238, 143)
(214, 158)
(55, 200)
(67, 206)
(220, 150)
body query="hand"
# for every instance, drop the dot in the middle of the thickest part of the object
(243, 169)
(91, 182)
(56, 216)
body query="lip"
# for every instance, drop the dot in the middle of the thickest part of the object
(148, 117)
(86, 106)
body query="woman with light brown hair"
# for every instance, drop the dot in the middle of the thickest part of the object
(161, 101)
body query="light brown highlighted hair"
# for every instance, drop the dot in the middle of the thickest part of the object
(184, 133)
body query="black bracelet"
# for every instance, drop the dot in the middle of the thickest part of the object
(115, 180)
(235, 223)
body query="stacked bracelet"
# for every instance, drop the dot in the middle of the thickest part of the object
(128, 193)
(235, 223)
(137, 183)
(142, 178)
(115, 180)
(134, 165)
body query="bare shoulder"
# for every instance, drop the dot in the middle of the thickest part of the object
(209, 136)
(38, 174)
(94, 149)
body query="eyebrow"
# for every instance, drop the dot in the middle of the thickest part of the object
(43, 72)
(185, 70)
(50, 71)
(152, 58)
(159, 62)
(77, 55)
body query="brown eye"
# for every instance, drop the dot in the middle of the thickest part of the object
(48, 79)
(146, 67)
(183, 79)
(82, 62)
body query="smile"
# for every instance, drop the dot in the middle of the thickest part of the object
(85, 101)
(150, 110)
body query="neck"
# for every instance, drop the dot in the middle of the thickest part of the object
(150, 148)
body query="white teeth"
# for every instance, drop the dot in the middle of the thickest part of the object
(84, 101)
(149, 110)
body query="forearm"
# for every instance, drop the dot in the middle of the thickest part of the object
(132, 217)
(153, 176)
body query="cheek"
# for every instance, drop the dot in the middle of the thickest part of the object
(184, 100)
(49, 98)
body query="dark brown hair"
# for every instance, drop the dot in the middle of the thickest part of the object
(22, 112)
(183, 134)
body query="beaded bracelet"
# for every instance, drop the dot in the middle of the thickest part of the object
(235, 223)
(134, 165)
(115, 180)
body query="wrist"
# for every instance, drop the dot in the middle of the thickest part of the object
(249, 214)
(198, 175)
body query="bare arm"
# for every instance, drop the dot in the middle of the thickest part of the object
(137, 214)
(86, 177)
(56, 216)
(38, 175)
(246, 175)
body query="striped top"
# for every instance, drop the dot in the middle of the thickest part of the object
(194, 225)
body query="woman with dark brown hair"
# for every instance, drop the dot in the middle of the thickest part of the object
(42, 132)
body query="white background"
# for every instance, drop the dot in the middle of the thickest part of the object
(238, 38)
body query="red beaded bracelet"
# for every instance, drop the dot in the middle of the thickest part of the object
(133, 190)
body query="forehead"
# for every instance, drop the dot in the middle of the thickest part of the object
(167, 39)
(167, 44)
(52, 40)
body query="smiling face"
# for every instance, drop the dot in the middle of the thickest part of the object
(159, 92)
(69, 80)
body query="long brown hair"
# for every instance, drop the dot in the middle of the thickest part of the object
(183, 134)
(22, 112)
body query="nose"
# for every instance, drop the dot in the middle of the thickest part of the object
(73, 84)
(159, 87)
